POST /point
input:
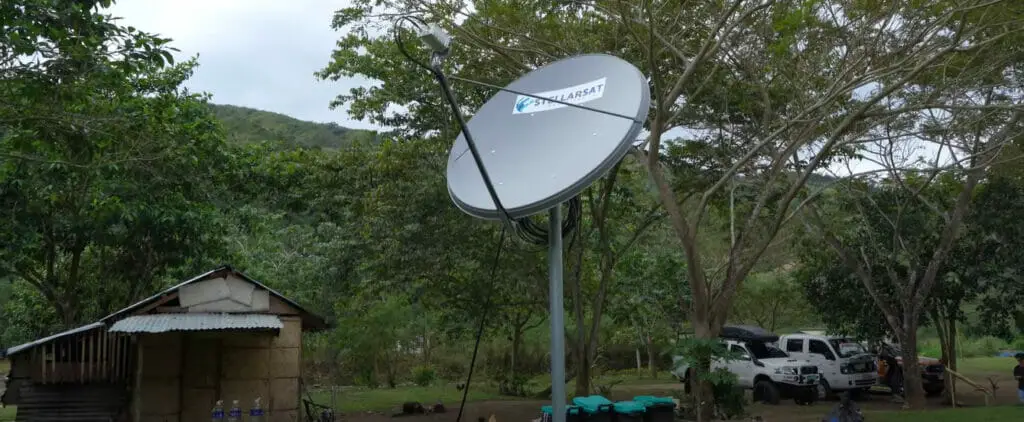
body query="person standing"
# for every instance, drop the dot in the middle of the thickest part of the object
(1018, 374)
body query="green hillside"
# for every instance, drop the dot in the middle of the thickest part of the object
(247, 125)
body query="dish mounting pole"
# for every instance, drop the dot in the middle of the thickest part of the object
(555, 267)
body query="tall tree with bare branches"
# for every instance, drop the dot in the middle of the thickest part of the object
(764, 93)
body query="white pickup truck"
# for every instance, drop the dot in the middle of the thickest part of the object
(844, 364)
(769, 372)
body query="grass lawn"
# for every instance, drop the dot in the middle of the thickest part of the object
(6, 413)
(619, 378)
(986, 366)
(975, 414)
(351, 399)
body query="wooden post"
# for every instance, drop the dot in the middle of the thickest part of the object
(106, 355)
(137, 388)
(81, 359)
(181, 375)
(53, 362)
(40, 354)
(979, 387)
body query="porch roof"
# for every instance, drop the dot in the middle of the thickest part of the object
(165, 323)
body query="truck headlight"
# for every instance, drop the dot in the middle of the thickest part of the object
(786, 370)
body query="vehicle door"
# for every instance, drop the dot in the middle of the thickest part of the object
(742, 366)
(796, 348)
(822, 355)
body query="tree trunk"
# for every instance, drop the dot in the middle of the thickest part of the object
(703, 395)
(949, 349)
(650, 358)
(426, 348)
(68, 313)
(583, 374)
(639, 366)
(913, 385)
(580, 352)
(517, 339)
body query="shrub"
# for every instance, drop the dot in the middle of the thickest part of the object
(1018, 343)
(982, 347)
(729, 399)
(423, 375)
(605, 388)
(517, 386)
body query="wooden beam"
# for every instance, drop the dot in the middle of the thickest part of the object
(81, 359)
(53, 361)
(159, 302)
(171, 310)
(181, 375)
(987, 392)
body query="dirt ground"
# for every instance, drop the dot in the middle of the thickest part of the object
(528, 410)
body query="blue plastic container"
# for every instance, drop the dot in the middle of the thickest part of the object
(595, 408)
(629, 411)
(659, 409)
(572, 413)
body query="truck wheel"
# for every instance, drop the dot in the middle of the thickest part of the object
(766, 392)
(824, 390)
(859, 393)
(806, 396)
(932, 390)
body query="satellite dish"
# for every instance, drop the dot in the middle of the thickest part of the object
(540, 153)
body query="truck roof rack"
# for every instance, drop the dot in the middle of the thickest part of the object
(748, 333)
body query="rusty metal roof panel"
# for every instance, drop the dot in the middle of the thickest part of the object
(20, 348)
(164, 323)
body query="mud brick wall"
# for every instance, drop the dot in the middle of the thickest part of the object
(255, 365)
(159, 363)
(285, 371)
(182, 375)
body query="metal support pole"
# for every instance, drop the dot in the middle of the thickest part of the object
(557, 314)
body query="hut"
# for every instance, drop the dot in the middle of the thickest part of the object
(218, 336)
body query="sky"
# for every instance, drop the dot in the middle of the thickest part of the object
(253, 53)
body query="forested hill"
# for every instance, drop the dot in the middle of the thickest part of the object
(248, 125)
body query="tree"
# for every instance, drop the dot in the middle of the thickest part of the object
(648, 309)
(703, 70)
(56, 57)
(998, 203)
(883, 245)
(115, 193)
(616, 218)
(771, 300)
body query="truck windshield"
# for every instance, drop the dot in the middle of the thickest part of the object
(847, 348)
(763, 351)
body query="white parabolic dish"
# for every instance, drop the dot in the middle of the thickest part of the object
(540, 154)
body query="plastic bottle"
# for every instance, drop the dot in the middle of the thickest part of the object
(217, 415)
(235, 414)
(256, 413)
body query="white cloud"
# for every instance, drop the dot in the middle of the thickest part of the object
(253, 53)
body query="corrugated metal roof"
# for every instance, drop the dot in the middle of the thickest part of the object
(44, 340)
(163, 323)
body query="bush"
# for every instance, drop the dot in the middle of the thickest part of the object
(1018, 343)
(982, 347)
(729, 399)
(517, 386)
(423, 375)
(605, 387)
